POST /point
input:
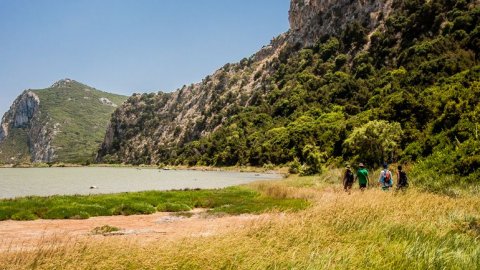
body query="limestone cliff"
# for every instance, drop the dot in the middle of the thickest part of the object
(145, 128)
(312, 19)
(20, 114)
(20, 121)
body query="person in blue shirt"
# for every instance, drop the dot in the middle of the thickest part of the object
(386, 179)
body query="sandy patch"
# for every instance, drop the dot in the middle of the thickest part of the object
(25, 235)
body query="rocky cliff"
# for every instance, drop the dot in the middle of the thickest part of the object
(20, 114)
(17, 126)
(64, 122)
(148, 125)
(312, 19)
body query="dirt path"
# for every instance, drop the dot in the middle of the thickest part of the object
(24, 235)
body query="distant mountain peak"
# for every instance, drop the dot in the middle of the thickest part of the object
(64, 83)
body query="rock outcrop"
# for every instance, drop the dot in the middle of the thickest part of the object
(20, 114)
(312, 19)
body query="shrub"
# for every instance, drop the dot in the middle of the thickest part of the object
(75, 211)
(105, 229)
(295, 166)
(24, 215)
(173, 207)
(81, 215)
(313, 160)
(134, 209)
(374, 142)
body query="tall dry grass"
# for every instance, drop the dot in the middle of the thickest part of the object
(364, 230)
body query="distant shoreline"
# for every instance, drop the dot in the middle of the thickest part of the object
(275, 170)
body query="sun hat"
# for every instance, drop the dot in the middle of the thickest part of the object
(361, 165)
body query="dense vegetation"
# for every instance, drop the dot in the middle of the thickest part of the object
(234, 200)
(411, 96)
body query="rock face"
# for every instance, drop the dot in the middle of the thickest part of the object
(61, 123)
(147, 125)
(311, 19)
(24, 114)
(20, 114)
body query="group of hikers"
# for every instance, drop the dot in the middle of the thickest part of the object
(385, 180)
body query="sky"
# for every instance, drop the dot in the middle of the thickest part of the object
(128, 46)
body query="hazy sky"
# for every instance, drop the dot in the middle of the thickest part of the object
(126, 46)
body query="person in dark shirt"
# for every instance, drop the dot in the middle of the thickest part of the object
(402, 181)
(348, 179)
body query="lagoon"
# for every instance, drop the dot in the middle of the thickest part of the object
(22, 182)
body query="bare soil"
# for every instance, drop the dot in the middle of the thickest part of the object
(26, 235)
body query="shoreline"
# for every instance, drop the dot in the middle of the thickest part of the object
(275, 170)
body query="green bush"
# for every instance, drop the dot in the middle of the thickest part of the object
(61, 212)
(81, 215)
(374, 142)
(134, 209)
(295, 166)
(173, 207)
(314, 160)
(24, 215)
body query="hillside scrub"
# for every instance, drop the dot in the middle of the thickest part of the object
(415, 78)
(364, 230)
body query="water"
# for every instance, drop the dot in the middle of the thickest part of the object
(69, 181)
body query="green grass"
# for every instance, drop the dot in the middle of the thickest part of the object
(234, 200)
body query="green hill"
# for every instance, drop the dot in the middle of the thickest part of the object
(63, 123)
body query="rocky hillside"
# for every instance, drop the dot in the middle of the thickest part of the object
(147, 126)
(63, 123)
(351, 81)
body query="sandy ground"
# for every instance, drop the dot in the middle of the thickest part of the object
(25, 235)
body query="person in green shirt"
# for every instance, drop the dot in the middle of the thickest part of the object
(362, 176)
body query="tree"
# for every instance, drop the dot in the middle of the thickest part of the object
(374, 142)
(314, 159)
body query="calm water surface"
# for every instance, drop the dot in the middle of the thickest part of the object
(19, 182)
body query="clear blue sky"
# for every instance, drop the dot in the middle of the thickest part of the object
(127, 46)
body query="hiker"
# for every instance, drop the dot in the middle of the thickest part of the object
(348, 179)
(402, 181)
(386, 179)
(362, 176)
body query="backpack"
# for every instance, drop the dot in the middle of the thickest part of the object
(388, 177)
(403, 181)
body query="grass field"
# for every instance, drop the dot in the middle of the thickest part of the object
(364, 230)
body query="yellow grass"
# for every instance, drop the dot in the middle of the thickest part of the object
(364, 230)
